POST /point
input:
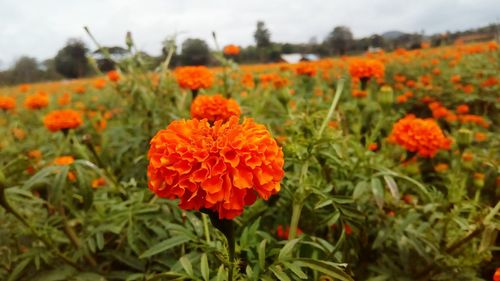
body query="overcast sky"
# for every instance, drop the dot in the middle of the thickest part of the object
(39, 28)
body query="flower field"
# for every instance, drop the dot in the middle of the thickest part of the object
(377, 167)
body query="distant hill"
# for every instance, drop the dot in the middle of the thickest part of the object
(393, 34)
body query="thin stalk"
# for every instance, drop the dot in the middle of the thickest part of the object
(294, 223)
(335, 101)
(204, 217)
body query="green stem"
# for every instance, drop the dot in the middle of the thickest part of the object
(204, 217)
(294, 223)
(335, 101)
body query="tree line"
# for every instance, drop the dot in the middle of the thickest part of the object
(72, 61)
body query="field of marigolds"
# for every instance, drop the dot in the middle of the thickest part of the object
(378, 167)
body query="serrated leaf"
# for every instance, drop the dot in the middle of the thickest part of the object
(165, 245)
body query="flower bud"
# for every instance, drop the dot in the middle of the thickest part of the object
(464, 138)
(478, 180)
(386, 96)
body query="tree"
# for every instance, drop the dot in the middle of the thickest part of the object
(377, 41)
(262, 35)
(340, 39)
(71, 61)
(195, 52)
(25, 70)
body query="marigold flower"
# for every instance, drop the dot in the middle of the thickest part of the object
(441, 167)
(23, 88)
(64, 99)
(37, 101)
(64, 160)
(214, 108)
(306, 69)
(373, 146)
(223, 167)
(496, 276)
(231, 50)
(194, 77)
(62, 120)
(480, 137)
(98, 182)
(359, 93)
(462, 109)
(422, 136)
(366, 69)
(19, 133)
(99, 83)
(80, 89)
(113, 75)
(7, 103)
(35, 154)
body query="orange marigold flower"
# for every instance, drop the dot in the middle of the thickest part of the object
(306, 69)
(98, 182)
(476, 119)
(422, 136)
(359, 93)
(23, 88)
(467, 156)
(99, 83)
(7, 103)
(456, 78)
(113, 75)
(194, 77)
(19, 133)
(480, 137)
(248, 81)
(231, 50)
(496, 276)
(222, 168)
(462, 109)
(366, 68)
(37, 101)
(401, 99)
(35, 154)
(62, 120)
(441, 167)
(214, 108)
(373, 146)
(80, 89)
(64, 160)
(64, 99)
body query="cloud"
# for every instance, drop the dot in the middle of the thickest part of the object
(40, 28)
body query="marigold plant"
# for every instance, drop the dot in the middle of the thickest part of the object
(37, 101)
(231, 50)
(214, 108)
(223, 167)
(7, 103)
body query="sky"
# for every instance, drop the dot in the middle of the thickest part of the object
(39, 28)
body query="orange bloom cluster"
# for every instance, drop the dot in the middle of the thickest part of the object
(359, 93)
(366, 68)
(476, 119)
(422, 136)
(439, 111)
(99, 83)
(247, 81)
(214, 108)
(113, 75)
(194, 77)
(275, 79)
(62, 120)
(404, 97)
(462, 109)
(64, 160)
(306, 69)
(231, 50)
(223, 167)
(7, 103)
(37, 101)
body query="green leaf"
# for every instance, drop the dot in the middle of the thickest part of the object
(186, 264)
(393, 187)
(359, 190)
(325, 267)
(261, 251)
(220, 273)
(165, 245)
(205, 271)
(18, 270)
(378, 192)
(296, 270)
(286, 251)
(278, 272)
